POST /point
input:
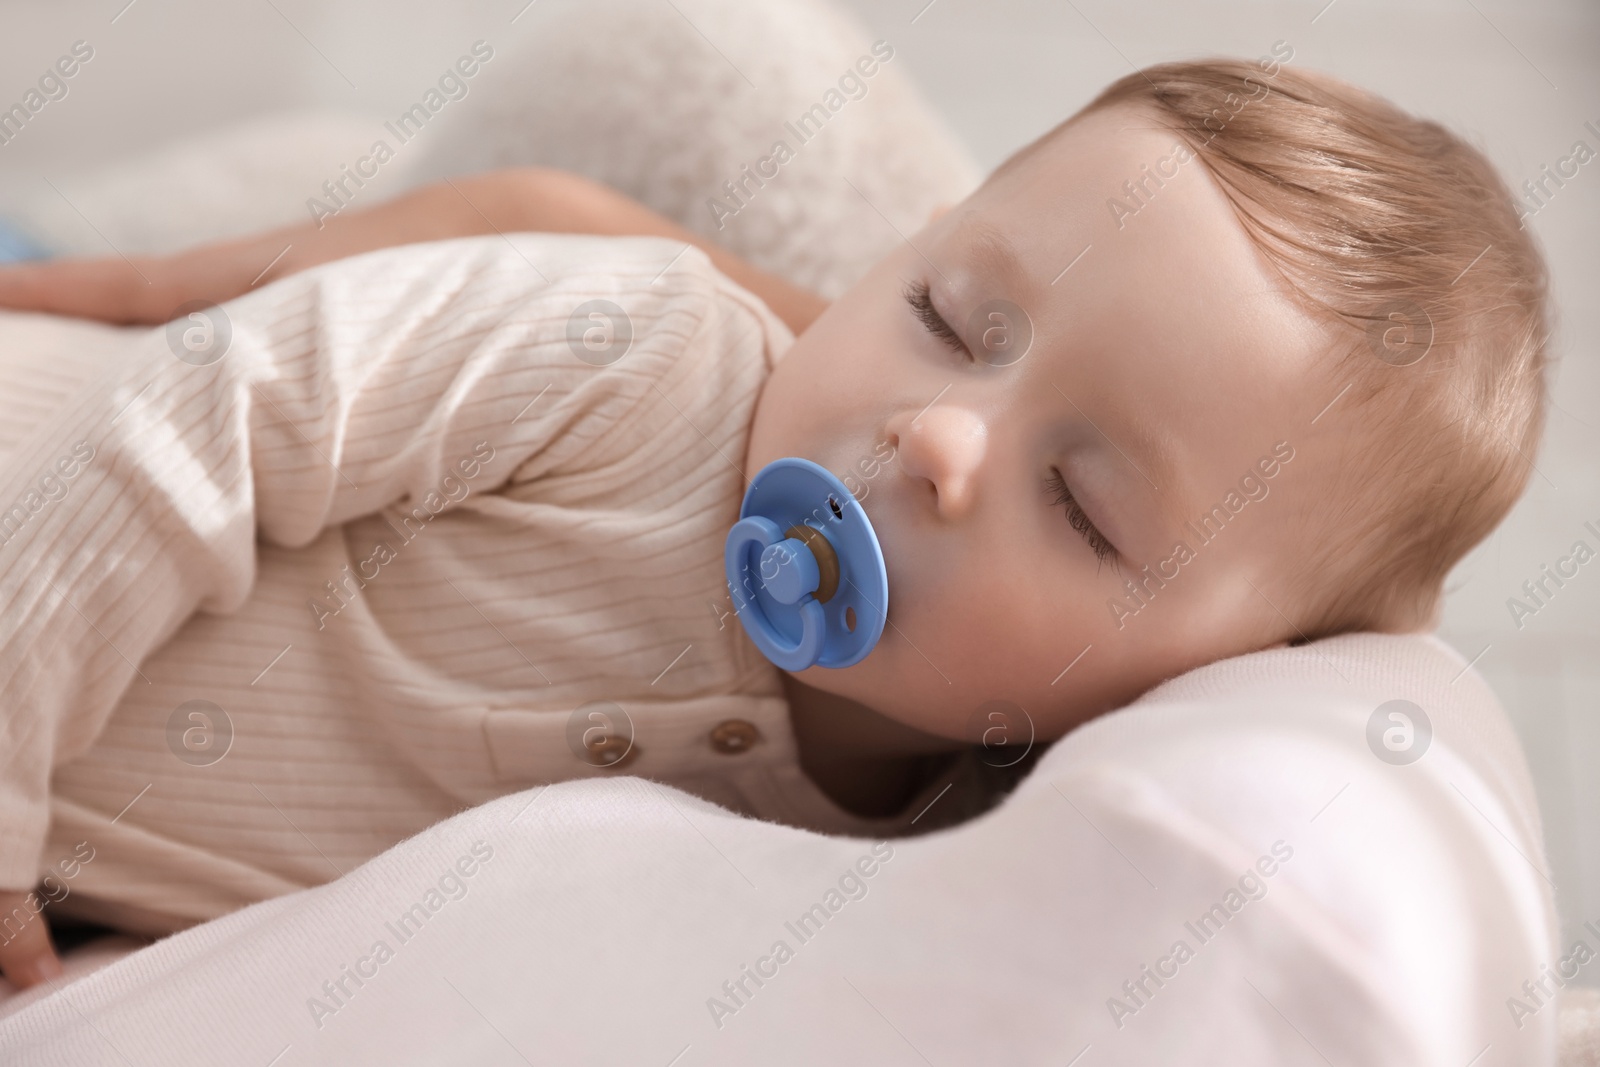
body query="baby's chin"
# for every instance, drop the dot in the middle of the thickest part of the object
(921, 719)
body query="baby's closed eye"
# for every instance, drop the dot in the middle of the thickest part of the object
(1076, 517)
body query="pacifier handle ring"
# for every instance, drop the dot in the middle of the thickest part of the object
(760, 531)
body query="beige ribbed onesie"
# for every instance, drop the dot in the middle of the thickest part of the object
(399, 533)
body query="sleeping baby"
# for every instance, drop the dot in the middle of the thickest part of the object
(1236, 356)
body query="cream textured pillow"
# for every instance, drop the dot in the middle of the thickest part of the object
(697, 91)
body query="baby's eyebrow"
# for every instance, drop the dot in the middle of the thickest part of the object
(1143, 450)
(992, 251)
(1148, 453)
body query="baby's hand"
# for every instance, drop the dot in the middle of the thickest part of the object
(148, 290)
(111, 290)
(28, 958)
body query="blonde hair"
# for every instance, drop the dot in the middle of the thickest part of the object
(1397, 228)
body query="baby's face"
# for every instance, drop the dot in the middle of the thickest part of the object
(1167, 368)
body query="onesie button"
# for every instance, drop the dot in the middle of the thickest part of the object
(733, 736)
(609, 751)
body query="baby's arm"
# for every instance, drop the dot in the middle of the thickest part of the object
(526, 199)
(345, 389)
(506, 201)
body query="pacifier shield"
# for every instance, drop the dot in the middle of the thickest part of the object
(805, 569)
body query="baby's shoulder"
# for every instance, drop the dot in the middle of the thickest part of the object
(634, 283)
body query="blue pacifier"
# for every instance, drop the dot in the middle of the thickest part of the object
(805, 569)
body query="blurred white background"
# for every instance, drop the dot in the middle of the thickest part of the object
(1519, 79)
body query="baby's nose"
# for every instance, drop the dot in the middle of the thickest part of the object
(944, 445)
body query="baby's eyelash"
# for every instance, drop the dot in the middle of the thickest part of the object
(916, 294)
(1098, 543)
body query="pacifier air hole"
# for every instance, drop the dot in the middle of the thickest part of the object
(850, 619)
(834, 504)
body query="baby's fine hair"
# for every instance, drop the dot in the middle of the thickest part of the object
(1403, 232)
